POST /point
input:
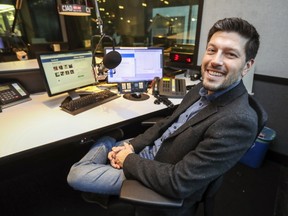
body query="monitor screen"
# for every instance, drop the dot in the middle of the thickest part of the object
(138, 64)
(138, 67)
(66, 71)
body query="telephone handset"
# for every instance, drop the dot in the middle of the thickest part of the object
(12, 93)
(169, 87)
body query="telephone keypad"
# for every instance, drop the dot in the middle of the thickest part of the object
(8, 95)
(12, 93)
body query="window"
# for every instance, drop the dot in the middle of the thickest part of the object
(6, 19)
(171, 24)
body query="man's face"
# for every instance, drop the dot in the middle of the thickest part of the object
(224, 61)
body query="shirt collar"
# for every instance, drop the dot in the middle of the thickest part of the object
(204, 93)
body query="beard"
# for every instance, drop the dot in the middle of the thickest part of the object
(213, 86)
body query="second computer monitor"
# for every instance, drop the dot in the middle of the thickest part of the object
(138, 67)
(66, 71)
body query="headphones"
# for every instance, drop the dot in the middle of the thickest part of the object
(112, 59)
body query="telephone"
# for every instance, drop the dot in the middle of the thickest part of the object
(169, 87)
(12, 93)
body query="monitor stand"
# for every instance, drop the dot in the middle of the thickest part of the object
(136, 96)
(73, 95)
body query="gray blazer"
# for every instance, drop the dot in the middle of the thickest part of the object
(202, 149)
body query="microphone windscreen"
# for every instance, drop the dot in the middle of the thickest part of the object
(112, 59)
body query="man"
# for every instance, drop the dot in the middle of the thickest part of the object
(205, 136)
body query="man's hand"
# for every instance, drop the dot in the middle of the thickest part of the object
(121, 155)
(112, 156)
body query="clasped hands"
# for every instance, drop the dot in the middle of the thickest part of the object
(118, 155)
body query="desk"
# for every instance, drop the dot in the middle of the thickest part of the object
(40, 122)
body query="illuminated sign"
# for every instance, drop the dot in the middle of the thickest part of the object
(181, 58)
(74, 10)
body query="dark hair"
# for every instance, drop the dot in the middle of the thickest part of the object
(241, 27)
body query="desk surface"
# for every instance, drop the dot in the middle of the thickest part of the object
(19, 65)
(40, 121)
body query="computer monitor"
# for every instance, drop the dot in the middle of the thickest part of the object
(138, 67)
(66, 71)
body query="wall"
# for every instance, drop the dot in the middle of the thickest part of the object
(270, 18)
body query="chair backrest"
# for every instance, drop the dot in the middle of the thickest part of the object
(262, 115)
(213, 187)
(208, 198)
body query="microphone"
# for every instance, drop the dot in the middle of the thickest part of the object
(112, 59)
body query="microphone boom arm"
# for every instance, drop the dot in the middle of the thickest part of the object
(111, 59)
(99, 21)
(18, 6)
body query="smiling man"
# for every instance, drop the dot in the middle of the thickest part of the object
(205, 136)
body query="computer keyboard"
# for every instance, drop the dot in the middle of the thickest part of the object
(86, 102)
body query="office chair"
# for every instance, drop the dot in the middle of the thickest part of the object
(136, 193)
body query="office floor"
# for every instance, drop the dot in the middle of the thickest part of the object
(38, 188)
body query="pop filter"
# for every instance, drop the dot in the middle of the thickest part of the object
(112, 59)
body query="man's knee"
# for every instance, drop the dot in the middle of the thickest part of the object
(73, 177)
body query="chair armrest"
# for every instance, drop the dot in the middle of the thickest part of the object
(134, 191)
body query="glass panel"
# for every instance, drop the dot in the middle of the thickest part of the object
(45, 21)
(6, 19)
(37, 20)
(170, 24)
(11, 34)
(31, 28)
